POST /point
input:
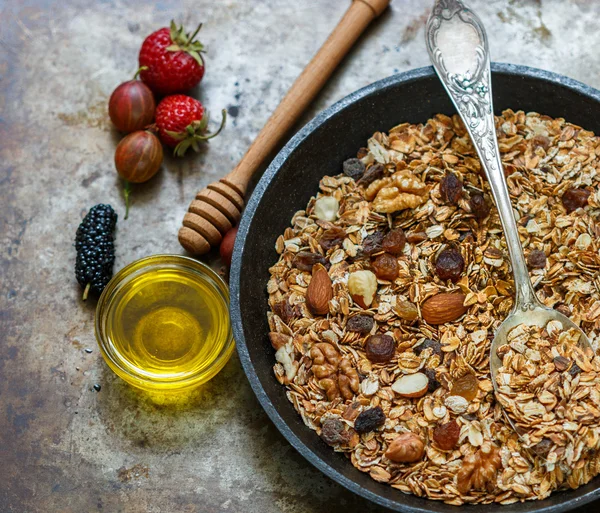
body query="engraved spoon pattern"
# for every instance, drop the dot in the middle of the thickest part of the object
(458, 48)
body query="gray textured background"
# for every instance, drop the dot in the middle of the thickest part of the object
(65, 447)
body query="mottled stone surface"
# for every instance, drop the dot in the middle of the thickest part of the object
(65, 446)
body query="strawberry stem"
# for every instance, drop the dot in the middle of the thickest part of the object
(191, 38)
(210, 136)
(140, 69)
(127, 194)
(192, 139)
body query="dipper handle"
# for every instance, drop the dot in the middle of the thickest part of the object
(225, 196)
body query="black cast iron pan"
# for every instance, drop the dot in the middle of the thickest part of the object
(287, 185)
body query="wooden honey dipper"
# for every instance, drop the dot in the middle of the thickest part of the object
(219, 206)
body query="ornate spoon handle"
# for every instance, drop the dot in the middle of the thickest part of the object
(458, 49)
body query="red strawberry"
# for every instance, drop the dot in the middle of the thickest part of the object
(172, 59)
(182, 122)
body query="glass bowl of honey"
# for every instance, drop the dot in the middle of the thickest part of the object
(162, 323)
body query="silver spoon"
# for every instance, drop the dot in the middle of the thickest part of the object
(458, 48)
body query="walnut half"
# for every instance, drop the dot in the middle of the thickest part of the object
(400, 191)
(479, 470)
(334, 374)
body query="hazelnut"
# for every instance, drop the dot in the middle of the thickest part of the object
(326, 208)
(362, 286)
(406, 448)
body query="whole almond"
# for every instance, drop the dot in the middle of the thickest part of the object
(320, 291)
(444, 307)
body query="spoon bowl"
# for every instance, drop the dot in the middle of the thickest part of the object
(540, 316)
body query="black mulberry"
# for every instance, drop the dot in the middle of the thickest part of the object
(95, 249)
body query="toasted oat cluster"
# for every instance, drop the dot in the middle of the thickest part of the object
(391, 283)
(548, 385)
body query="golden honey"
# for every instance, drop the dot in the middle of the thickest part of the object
(163, 324)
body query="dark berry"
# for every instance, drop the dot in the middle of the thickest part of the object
(536, 259)
(573, 199)
(434, 345)
(451, 188)
(434, 384)
(466, 236)
(380, 348)
(360, 324)
(386, 267)
(447, 435)
(369, 420)
(354, 168)
(561, 363)
(563, 309)
(543, 448)
(373, 243)
(374, 172)
(332, 237)
(479, 206)
(574, 370)
(284, 310)
(394, 241)
(94, 243)
(416, 237)
(449, 264)
(333, 432)
(304, 260)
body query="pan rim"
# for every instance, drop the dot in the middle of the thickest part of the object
(553, 504)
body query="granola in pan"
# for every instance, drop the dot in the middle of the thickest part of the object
(548, 385)
(389, 288)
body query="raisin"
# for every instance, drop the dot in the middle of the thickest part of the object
(543, 448)
(360, 324)
(304, 260)
(369, 420)
(394, 241)
(332, 237)
(451, 188)
(386, 267)
(573, 199)
(380, 348)
(480, 208)
(372, 243)
(354, 168)
(525, 220)
(416, 237)
(434, 384)
(561, 363)
(447, 435)
(434, 345)
(374, 172)
(536, 259)
(540, 141)
(563, 309)
(406, 310)
(449, 264)
(466, 236)
(574, 370)
(284, 310)
(333, 432)
(362, 153)
(466, 387)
